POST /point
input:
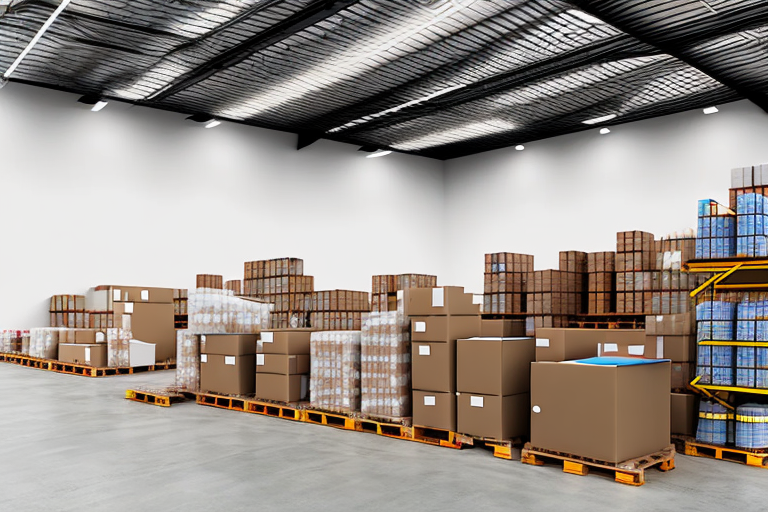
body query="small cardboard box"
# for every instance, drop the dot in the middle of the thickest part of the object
(282, 364)
(289, 341)
(502, 328)
(680, 349)
(434, 366)
(228, 344)
(227, 375)
(446, 300)
(152, 323)
(558, 344)
(494, 416)
(606, 412)
(434, 409)
(494, 366)
(89, 336)
(282, 388)
(684, 410)
(86, 354)
(682, 324)
(444, 328)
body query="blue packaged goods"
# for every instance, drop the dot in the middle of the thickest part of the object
(716, 231)
(752, 225)
(752, 426)
(713, 423)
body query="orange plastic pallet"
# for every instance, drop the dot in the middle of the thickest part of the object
(79, 369)
(750, 458)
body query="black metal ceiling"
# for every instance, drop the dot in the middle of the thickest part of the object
(438, 78)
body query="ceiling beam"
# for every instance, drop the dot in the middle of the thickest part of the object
(306, 140)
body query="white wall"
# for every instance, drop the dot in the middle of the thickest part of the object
(138, 196)
(575, 192)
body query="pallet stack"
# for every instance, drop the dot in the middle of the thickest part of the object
(553, 297)
(385, 287)
(601, 283)
(635, 259)
(235, 286)
(68, 311)
(282, 365)
(283, 283)
(334, 381)
(748, 180)
(716, 231)
(505, 283)
(339, 310)
(180, 304)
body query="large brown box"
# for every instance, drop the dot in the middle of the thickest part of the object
(89, 336)
(227, 375)
(282, 364)
(682, 374)
(672, 325)
(683, 412)
(291, 341)
(569, 344)
(444, 328)
(608, 413)
(86, 354)
(434, 409)
(228, 344)
(446, 300)
(494, 366)
(680, 349)
(152, 323)
(433, 366)
(282, 388)
(494, 416)
(502, 328)
(139, 294)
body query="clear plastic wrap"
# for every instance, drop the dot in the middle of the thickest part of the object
(44, 342)
(335, 374)
(187, 361)
(118, 347)
(213, 311)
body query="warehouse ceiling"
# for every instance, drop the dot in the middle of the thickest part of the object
(438, 78)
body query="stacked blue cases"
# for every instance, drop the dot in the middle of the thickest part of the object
(714, 425)
(752, 225)
(715, 322)
(716, 234)
(752, 362)
(752, 426)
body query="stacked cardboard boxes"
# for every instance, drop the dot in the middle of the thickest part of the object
(282, 365)
(553, 296)
(439, 317)
(385, 287)
(213, 311)
(748, 180)
(673, 337)
(283, 283)
(180, 305)
(227, 363)
(716, 231)
(334, 382)
(83, 346)
(235, 286)
(635, 258)
(187, 361)
(68, 311)
(505, 283)
(601, 283)
(571, 344)
(338, 310)
(214, 282)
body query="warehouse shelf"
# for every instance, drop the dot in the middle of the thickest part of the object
(79, 369)
(733, 343)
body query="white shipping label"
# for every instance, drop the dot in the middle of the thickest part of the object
(99, 337)
(87, 354)
(259, 359)
(419, 326)
(230, 360)
(636, 350)
(476, 401)
(202, 338)
(611, 347)
(438, 297)
(116, 295)
(659, 318)
(267, 337)
(129, 308)
(145, 295)
(204, 358)
(429, 400)
(599, 349)
(542, 342)
(659, 347)
(424, 350)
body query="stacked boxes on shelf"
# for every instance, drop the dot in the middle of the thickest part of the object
(601, 283)
(716, 231)
(752, 226)
(235, 286)
(68, 311)
(180, 303)
(505, 283)
(635, 257)
(283, 283)
(748, 180)
(385, 287)
(675, 250)
(553, 296)
(752, 326)
(715, 322)
(439, 317)
(338, 310)
(227, 363)
(282, 365)
(334, 382)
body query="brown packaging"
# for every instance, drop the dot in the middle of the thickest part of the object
(434, 409)
(227, 375)
(282, 364)
(494, 416)
(152, 323)
(228, 344)
(447, 300)
(502, 328)
(675, 348)
(292, 341)
(434, 366)
(444, 328)
(684, 410)
(494, 366)
(86, 354)
(282, 388)
(570, 344)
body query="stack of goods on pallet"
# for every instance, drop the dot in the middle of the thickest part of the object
(439, 317)
(715, 323)
(227, 363)
(385, 288)
(715, 424)
(338, 310)
(44, 342)
(282, 365)
(180, 303)
(235, 286)
(748, 180)
(716, 232)
(217, 311)
(601, 283)
(635, 258)
(283, 283)
(187, 361)
(505, 283)
(385, 364)
(553, 296)
(493, 378)
(84, 346)
(752, 326)
(556, 345)
(608, 409)
(14, 342)
(752, 426)
(334, 382)
(752, 226)
(68, 311)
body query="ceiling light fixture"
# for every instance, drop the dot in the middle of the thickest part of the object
(213, 124)
(711, 110)
(519, 147)
(583, 16)
(37, 37)
(99, 105)
(604, 131)
(598, 120)
(378, 154)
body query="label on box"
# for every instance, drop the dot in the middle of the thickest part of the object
(259, 359)
(659, 318)
(144, 294)
(659, 347)
(424, 350)
(87, 354)
(438, 297)
(99, 337)
(476, 401)
(202, 338)
(128, 308)
(611, 347)
(419, 326)
(204, 358)
(542, 342)
(230, 360)
(429, 400)
(267, 337)
(636, 350)
(116, 295)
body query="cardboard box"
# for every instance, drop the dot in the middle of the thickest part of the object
(282, 388)
(680, 349)
(502, 328)
(227, 375)
(103, 298)
(682, 324)
(434, 366)
(434, 409)
(494, 366)
(282, 364)
(607, 413)
(228, 344)
(86, 354)
(152, 323)
(292, 341)
(681, 375)
(444, 328)
(684, 410)
(141, 354)
(447, 300)
(89, 336)
(494, 416)
(570, 344)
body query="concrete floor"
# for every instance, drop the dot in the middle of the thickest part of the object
(71, 443)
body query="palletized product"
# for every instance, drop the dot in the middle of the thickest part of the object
(752, 426)
(716, 231)
(715, 424)
(44, 342)
(752, 225)
(213, 311)
(12, 341)
(335, 372)
(187, 361)
(118, 347)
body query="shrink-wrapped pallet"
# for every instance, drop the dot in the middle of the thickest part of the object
(213, 311)
(335, 373)
(44, 342)
(187, 361)
(118, 347)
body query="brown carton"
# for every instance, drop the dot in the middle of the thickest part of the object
(502, 328)
(444, 328)
(282, 388)
(682, 375)
(607, 413)
(282, 364)
(228, 344)
(227, 375)
(493, 416)
(292, 341)
(675, 348)
(152, 323)
(684, 410)
(434, 366)
(434, 409)
(494, 366)
(139, 294)
(447, 300)
(86, 354)
(682, 324)
(89, 336)
(569, 344)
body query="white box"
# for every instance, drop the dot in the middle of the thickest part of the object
(737, 178)
(141, 354)
(748, 182)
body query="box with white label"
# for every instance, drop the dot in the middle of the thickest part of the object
(227, 375)
(494, 416)
(444, 328)
(434, 366)
(289, 341)
(447, 300)
(86, 354)
(434, 409)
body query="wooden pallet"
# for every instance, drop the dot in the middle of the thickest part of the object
(630, 472)
(80, 369)
(330, 419)
(276, 410)
(437, 437)
(160, 398)
(509, 449)
(754, 458)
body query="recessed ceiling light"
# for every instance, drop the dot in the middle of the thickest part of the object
(600, 119)
(99, 105)
(213, 124)
(519, 147)
(378, 154)
(583, 16)
(711, 110)
(604, 131)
